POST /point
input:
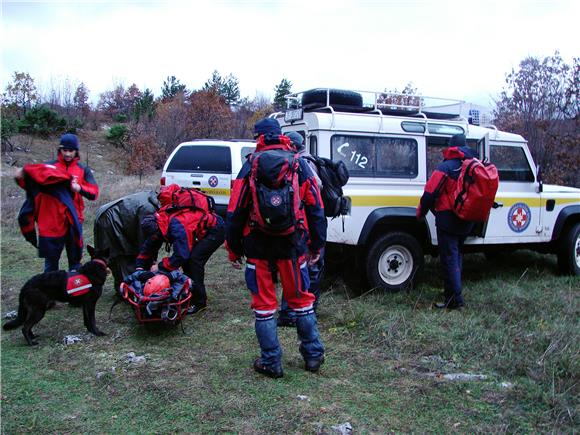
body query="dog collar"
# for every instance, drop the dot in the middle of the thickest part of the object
(101, 262)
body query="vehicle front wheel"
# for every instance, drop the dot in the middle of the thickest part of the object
(394, 261)
(569, 251)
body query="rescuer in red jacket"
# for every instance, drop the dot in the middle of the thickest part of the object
(54, 202)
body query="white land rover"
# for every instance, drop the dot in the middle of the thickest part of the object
(391, 143)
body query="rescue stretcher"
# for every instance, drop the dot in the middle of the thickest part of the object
(167, 305)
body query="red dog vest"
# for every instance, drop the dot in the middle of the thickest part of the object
(77, 284)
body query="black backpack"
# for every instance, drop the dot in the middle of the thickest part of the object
(276, 207)
(333, 175)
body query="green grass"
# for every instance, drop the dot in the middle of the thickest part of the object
(520, 327)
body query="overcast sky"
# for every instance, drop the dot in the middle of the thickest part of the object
(446, 48)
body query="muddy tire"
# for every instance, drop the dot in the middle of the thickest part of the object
(569, 251)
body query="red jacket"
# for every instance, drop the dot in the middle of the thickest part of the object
(49, 210)
(183, 230)
(89, 188)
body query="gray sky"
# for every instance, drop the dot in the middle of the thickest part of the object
(446, 48)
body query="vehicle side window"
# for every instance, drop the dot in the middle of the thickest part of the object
(369, 156)
(435, 147)
(203, 158)
(313, 145)
(511, 163)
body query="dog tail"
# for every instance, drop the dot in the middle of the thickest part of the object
(19, 321)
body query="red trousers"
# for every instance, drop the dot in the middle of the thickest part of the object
(294, 279)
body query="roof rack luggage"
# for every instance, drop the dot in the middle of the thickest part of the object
(380, 103)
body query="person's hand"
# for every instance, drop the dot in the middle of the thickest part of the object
(314, 259)
(237, 264)
(154, 268)
(74, 184)
(19, 173)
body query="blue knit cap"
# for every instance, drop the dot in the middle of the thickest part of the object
(267, 127)
(296, 139)
(69, 141)
(458, 140)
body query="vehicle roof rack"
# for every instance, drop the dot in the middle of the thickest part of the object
(375, 102)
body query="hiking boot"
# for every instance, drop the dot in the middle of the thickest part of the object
(449, 305)
(196, 308)
(286, 322)
(270, 371)
(313, 365)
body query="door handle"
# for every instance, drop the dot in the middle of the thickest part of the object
(497, 204)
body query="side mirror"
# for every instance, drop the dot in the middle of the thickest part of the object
(539, 178)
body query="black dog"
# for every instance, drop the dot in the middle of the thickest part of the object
(82, 289)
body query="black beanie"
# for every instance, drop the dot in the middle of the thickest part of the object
(458, 141)
(267, 127)
(69, 141)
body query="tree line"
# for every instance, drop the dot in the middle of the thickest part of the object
(539, 100)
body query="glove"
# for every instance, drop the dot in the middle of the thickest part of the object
(31, 238)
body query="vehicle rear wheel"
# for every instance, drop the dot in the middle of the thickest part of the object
(394, 261)
(569, 251)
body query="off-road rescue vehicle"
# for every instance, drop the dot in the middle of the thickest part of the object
(391, 143)
(209, 165)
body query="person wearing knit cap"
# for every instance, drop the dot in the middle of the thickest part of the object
(193, 234)
(58, 205)
(451, 230)
(271, 255)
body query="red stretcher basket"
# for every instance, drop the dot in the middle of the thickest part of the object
(139, 302)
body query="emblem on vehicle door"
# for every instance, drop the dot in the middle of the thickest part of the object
(213, 181)
(519, 217)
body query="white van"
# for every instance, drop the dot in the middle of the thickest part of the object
(209, 165)
(391, 144)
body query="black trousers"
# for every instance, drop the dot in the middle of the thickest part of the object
(201, 253)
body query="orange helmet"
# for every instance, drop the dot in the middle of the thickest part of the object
(157, 284)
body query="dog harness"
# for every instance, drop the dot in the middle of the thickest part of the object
(77, 284)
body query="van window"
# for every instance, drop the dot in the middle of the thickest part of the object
(435, 147)
(202, 158)
(511, 163)
(313, 145)
(372, 156)
(245, 151)
(413, 127)
(445, 129)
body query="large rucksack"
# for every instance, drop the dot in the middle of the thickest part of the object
(276, 207)
(182, 200)
(191, 198)
(475, 191)
(333, 175)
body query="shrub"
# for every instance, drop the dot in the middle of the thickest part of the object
(120, 117)
(118, 135)
(42, 121)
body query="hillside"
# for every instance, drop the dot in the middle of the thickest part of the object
(508, 363)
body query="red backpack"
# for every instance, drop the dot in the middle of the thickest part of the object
(276, 207)
(475, 190)
(179, 200)
(187, 198)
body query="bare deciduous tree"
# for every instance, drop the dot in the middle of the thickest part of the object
(540, 102)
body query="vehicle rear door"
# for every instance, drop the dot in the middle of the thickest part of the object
(207, 167)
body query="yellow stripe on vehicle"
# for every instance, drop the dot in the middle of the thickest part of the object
(384, 200)
(413, 201)
(213, 191)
